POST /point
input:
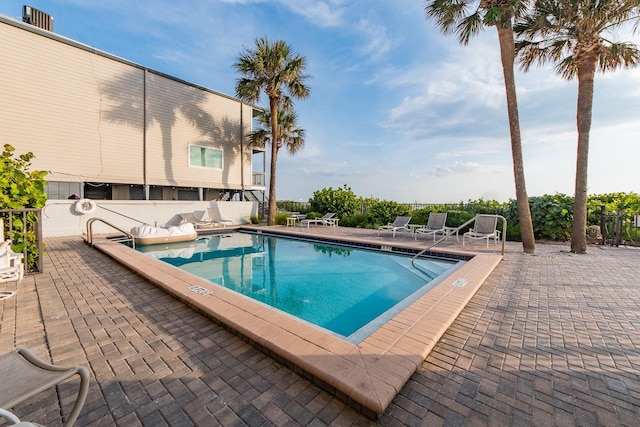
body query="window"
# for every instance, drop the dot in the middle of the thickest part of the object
(61, 190)
(200, 156)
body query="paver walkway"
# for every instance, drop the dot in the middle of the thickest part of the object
(551, 339)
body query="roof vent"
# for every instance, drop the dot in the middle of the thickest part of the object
(38, 18)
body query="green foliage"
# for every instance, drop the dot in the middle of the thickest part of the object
(457, 218)
(551, 216)
(382, 212)
(314, 215)
(612, 202)
(255, 219)
(21, 188)
(357, 221)
(293, 206)
(482, 206)
(281, 218)
(341, 201)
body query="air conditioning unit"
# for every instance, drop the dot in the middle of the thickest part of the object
(37, 18)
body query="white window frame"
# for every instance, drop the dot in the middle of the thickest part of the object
(204, 147)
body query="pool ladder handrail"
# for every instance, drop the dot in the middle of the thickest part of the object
(128, 237)
(460, 227)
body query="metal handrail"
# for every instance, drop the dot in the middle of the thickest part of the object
(90, 222)
(460, 227)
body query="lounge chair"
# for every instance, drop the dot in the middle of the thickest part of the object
(11, 266)
(327, 219)
(14, 420)
(401, 223)
(25, 375)
(216, 218)
(198, 221)
(484, 227)
(435, 225)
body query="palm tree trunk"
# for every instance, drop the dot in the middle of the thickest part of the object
(507, 55)
(586, 73)
(273, 105)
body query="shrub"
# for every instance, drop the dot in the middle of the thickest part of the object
(21, 188)
(381, 212)
(341, 201)
(457, 218)
(281, 218)
(551, 216)
(358, 220)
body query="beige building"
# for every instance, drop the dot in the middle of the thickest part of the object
(106, 128)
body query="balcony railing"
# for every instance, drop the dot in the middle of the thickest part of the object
(259, 179)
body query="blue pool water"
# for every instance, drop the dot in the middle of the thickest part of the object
(345, 290)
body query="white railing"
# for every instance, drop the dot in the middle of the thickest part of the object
(259, 179)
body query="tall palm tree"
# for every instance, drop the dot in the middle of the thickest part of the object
(466, 18)
(572, 34)
(274, 69)
(291, 137)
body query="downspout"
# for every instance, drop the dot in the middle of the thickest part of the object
(145, 185)
(242, 185)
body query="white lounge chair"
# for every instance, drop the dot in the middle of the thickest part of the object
(484, 227)
(197, 221)
(326, 219)
(216, 218)
(435, 225)
(401, 223)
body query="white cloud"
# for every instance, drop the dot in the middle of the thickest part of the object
(316, 12)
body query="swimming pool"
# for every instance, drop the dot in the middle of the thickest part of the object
(346, 290)
(368, 374)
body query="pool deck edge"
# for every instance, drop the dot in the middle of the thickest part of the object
(370, 373)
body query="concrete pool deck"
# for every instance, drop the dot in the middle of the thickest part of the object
(547, 337)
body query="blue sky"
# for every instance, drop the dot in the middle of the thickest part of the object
(397, 110)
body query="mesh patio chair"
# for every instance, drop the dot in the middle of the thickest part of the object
(484, 227)
(401, 223)
(14, 420)
(435, 225)
(24, 375)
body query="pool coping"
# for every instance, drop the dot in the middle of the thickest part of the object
(368, 374)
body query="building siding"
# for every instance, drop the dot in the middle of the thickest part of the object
(82, 113)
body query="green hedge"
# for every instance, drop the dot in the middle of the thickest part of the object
(551, 214)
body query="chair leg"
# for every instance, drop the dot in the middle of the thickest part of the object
(82, 395)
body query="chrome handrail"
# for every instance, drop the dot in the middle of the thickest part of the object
(90, 222)
(460, 227)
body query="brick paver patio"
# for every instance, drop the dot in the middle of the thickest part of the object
(550, 339)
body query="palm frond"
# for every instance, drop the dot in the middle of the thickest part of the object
(567, 67)
(568, 32)
(618, 55)
(469, 26)
(290, 135)
(446, 14)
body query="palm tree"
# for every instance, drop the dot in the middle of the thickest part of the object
(466, 18)
(272, 67)
(289, 134)
(571, 33)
